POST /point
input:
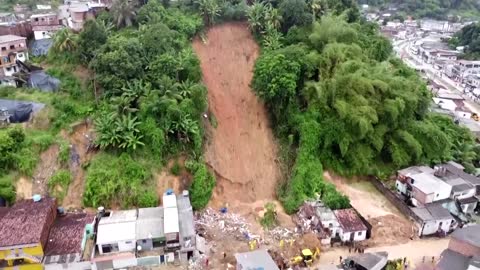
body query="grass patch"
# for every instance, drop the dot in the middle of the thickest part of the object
(58, 184)
(120, 180)
(64, 153)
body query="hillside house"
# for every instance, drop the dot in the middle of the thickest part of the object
(463, 251)
(435, 219)
(44, 26)
(352, 227)
(116, 232)
(24, 233)
(12, 48)
(66, 241)
(169, 230)
(366, 261)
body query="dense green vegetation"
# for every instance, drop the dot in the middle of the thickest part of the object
(149, 98)
(437, 9)
(118, 180)
(336, 96)
(468, 36)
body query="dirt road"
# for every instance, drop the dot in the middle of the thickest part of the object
(414, 251)
(241, 149)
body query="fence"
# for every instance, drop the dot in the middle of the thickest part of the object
(395, 200)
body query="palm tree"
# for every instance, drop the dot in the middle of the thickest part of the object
(318, 7)
(210, 10)
(256, 16)
(124, 12)
(273, 17)
(65, 40)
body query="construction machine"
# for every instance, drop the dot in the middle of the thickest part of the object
(475, 117)
(306, 258)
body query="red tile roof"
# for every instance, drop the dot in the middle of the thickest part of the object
(67, 233)
(27, 222)
(349, 220)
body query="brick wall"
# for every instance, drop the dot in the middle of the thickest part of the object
(45, 20)
(22, 29)
(463, 247)
(395, 200)
(14, 46)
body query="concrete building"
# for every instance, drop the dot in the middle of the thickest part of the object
(169, 230)
(258, 259)
(352, 227)
(75, 13)
(44, 26)
(427, 188)
(117, 232)
(435, 219)
(463, 251)
(149, 234)
(12, 48)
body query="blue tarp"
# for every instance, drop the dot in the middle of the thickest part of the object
(40, 47)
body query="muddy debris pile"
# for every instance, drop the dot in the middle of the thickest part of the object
(211, 221)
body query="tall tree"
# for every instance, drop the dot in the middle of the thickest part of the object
(65, 41)
(124, 12)
(210, 10)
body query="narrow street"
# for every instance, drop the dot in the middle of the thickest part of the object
(402, 48)
(414, 251)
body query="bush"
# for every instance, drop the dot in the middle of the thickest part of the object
(7, 189)
(148, 199)
(115, 179)
(62, 179)
(269, 219)
(202, 185)
(64, 153)
(176, 168)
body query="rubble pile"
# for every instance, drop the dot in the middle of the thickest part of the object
(280, 233)
(229, 223)
(307, 220)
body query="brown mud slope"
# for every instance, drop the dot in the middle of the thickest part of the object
(46, 168)
(241, 150)
(80, 154)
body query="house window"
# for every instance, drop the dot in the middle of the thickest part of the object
(144, 241)
(359, 233)
(128, 242)
(36, 19)
(109, 248)
(50, 19)
(12, 47)
(437, 195)
(43, 19)
(158, 243)
(4, 48)
(20, 55)
(9, 68)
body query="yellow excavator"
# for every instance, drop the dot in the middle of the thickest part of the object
(475, 117)
(307, 257)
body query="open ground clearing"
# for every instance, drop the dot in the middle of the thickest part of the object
(241, 150)
(390, 227)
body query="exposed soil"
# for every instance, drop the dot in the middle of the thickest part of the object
(165, 179)
(46, 167)
(389, 225)
(80, 140)
(241, 150)
(23, 187)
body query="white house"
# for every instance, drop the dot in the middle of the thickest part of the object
(116, 232)
(403, 177)
(434, 218)
(352, 227)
